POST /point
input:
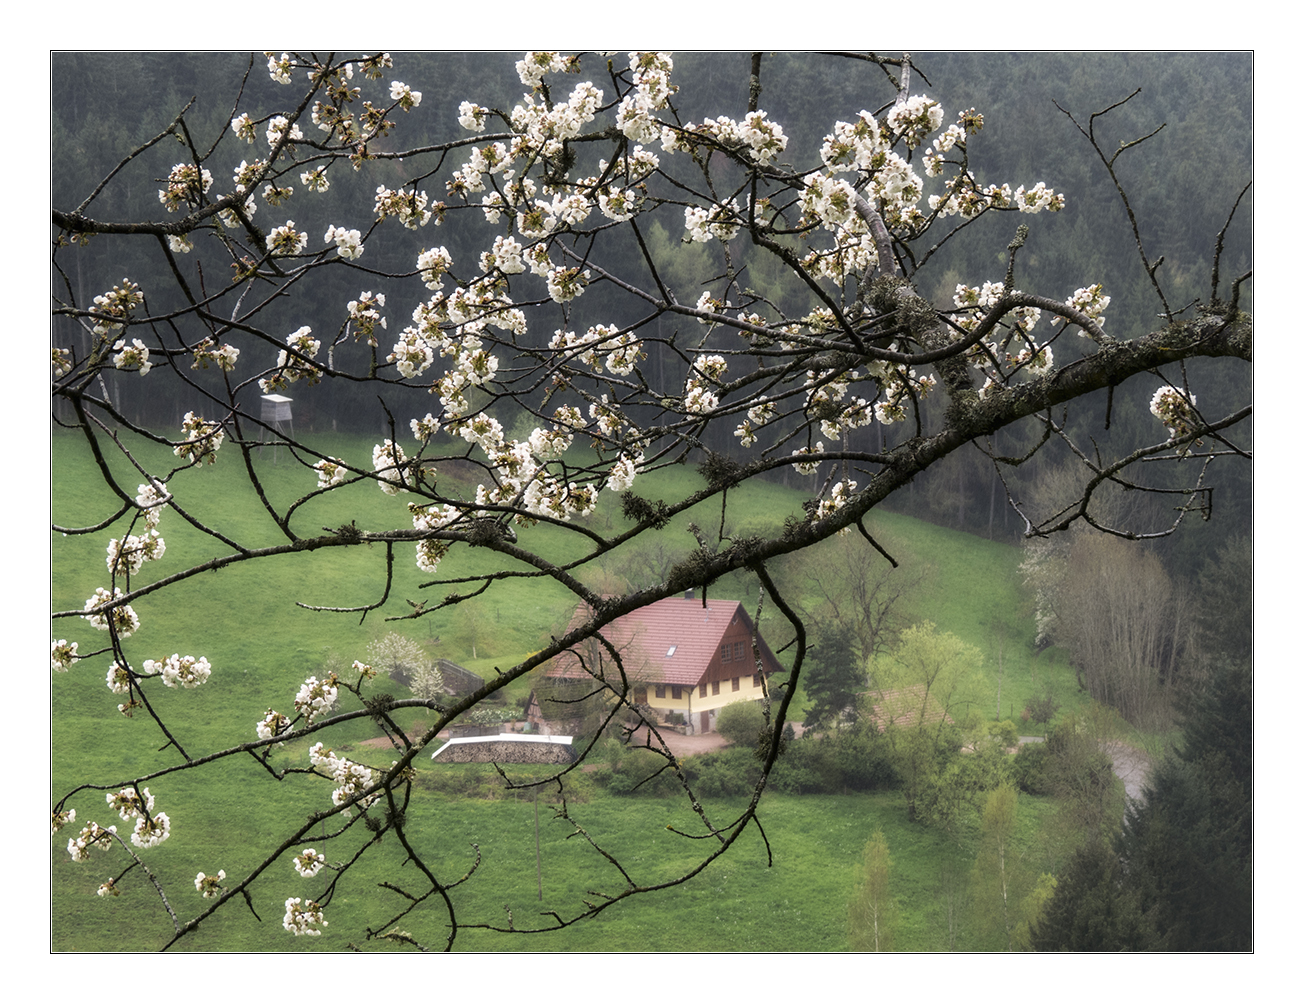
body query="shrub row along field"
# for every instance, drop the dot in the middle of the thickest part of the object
(969, 587)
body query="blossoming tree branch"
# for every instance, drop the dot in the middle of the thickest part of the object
(561, 191)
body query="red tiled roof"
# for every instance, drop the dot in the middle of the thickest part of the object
(646, 637)
(901, 708)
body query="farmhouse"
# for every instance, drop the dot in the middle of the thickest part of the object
(685, 660)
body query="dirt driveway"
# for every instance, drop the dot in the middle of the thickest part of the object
(682, 746)
(1130, 764)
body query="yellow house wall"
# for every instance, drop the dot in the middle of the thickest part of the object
(691, 703)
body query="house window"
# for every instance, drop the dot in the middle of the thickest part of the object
(640, 695)
(674, 692)
(725, 655)
(738, 651)
(661, 690)
(701, 691)
(715, 686)
(737, 683)
(756, 679)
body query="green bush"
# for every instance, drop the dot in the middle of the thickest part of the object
(724, 774)
(741, 723)
(1029, 768)
(639, 772)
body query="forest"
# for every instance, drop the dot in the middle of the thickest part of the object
(1064, 368)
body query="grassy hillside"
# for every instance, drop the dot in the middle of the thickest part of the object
(262, 646)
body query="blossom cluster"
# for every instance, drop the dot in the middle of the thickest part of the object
(274, 194)
(130, 804)
(963, 197)
(406, 97)
(365, 315)
(61, 361)
(180, 670)
(150, 831)
(839, 495)
(330, 472)
(303, 918)
(63, 654)
(122, 617)
(279, 128)
(309, 863)
(223, 356)
(992, 358)
(132, 357)
(126, 556)
(471, 116)
(1092, 301)
(756, 137)
(650, 73)
(209, 886)
(203, 439)
(352, 778)
(915, 118)
(699, 398)
(151, 498)
(410, 207)
(316, 697)
(285, 240)
(272, 725)
(61, 818)
(187, 185)
(534, 66)
(348, 243)
(230, 217)
(118, 303)
(279, 69)
(389, 462)
(621, 349)
(719, 221)
(432, 264)
(92, 835)
(1176, 410)
(118, 679)
(291, 368)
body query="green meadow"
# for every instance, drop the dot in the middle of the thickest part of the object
(261, 645)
